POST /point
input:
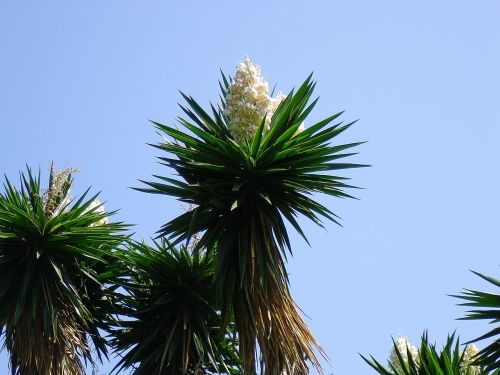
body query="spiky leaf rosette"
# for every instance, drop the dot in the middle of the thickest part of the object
(53, 262)
(172, 321)
(485, 306)
(243, 193)
(451, 360)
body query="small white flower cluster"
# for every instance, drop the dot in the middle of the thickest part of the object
(248, 101)
(403, 346)
(97, 208)
(469, 353)
(56, 197)
(402, 343)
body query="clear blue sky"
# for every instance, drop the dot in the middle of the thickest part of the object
(79, 80)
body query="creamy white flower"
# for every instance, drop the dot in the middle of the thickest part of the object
(248, 101)
(469, 353)
(97, 208)
(403, 346)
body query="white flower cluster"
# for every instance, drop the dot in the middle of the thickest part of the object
(248, 101)
(402, 343)
(469, 353)
(56, 197)
(403, 346)
(97, 208)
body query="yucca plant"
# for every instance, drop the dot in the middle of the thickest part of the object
(54, 256)
(405, 359)
(246, 169)
(485, 306)
(171, 320)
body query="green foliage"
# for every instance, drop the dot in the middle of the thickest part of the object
(276, 173)
(53, 261)
(172, 323)
(451, 360)
(485, 306)
(242, 195)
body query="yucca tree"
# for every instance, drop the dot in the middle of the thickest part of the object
(54, 256)
(485, 306)
(451, 360)
(171, 320)
(243, 189)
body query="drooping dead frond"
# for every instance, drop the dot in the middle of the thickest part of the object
(267, 319)
(32, 352)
